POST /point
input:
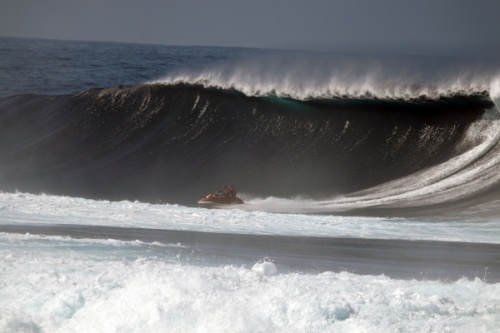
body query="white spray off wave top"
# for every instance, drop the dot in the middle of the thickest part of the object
(306, 76)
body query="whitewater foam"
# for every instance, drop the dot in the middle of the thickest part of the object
(108, 291)
(26, 209)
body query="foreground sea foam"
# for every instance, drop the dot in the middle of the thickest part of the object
(58, 284)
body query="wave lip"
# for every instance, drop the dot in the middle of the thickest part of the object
(302, 92)
(427, 101)
(313, 76)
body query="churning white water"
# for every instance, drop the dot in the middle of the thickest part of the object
(61, 284)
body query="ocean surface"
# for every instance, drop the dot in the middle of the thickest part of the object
(371, 187)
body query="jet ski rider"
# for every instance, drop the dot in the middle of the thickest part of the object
(227, 192)
(232, 191)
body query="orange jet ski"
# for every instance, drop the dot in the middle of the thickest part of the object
(213, 200)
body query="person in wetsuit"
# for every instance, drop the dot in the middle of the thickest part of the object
(232, 191)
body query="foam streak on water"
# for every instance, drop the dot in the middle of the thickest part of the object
(467, 173)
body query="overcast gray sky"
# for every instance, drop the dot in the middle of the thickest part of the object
(393, 26)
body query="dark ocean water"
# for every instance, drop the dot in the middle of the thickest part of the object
(48, 67)
(371, 186)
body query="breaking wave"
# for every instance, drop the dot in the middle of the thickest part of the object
(405, 146)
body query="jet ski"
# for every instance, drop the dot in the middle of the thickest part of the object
(214, 200)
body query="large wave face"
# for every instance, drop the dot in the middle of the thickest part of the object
(175, 142)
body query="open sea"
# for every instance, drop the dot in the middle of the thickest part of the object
(371, 187)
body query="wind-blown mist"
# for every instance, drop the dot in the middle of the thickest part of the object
(309, 76)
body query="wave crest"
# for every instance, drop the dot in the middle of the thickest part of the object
(319, 77)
